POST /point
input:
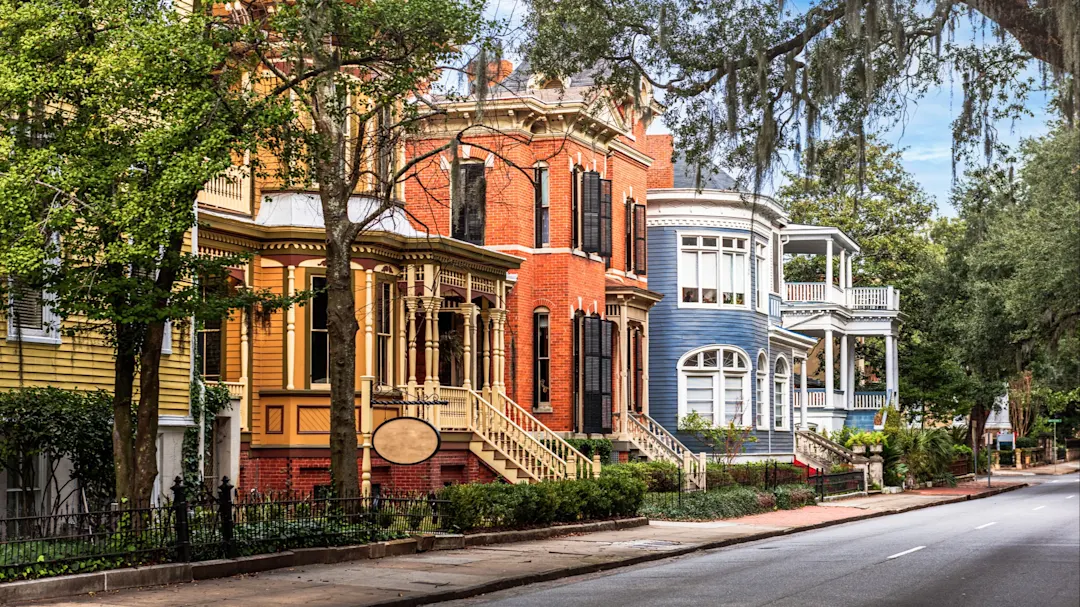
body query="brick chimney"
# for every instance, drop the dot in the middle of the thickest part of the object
(662, 172)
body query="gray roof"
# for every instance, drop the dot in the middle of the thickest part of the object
(711, 179)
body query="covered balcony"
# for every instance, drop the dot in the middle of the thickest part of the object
(855, 298)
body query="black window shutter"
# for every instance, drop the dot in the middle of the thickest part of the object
(640, 243)
(590, 212)
(605, 218)
(593, 401)
(470, 205)
(606, 335)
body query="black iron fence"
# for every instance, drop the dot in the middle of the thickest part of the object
(837, 484)
(766, 476)
(961, 466)
(203, 527)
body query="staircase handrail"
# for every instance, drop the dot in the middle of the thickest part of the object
(526, 452)
(830, 446)
(565, 452)
(649, 442)
(661, 433)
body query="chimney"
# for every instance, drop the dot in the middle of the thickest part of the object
(662, 173)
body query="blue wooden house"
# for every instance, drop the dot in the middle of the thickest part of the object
(733, 342)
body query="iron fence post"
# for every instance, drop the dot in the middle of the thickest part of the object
(183, 530)
(225, 513)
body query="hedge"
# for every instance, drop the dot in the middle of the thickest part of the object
(729, 502)
(496, 505)
(658, 475)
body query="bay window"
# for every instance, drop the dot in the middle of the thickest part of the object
(713, 270)
(714, 383)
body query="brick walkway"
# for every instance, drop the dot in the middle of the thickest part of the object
(444, 575)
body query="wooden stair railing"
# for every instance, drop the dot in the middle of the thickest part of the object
(577, 465)
(657, 443)
(536, 450)
(810, 444)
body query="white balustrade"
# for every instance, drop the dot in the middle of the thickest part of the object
(816, 399)
(870, 400)
(806, 291)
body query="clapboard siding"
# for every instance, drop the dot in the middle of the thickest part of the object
(675, 331)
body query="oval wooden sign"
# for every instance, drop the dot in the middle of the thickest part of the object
(406, 441)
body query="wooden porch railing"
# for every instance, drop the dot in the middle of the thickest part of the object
(230, 191)
(870, 400)
(815, 398)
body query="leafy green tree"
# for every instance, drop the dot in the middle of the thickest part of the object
(117, 112)
(743, 80)
(353, 71)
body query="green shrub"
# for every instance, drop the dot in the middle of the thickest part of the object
(593, 446)
(729, 502)
(658, 476)
(750, 474)
(476, 506)
(790, 497)
(1027, 442)
(961, 451)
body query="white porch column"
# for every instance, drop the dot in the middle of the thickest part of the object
(830, 364)
(367, 383)
(645, 366)
(844, 368)
(849, 387)
(485, 322)
(890, 368)
(843, 268)
(804, 394)
(828, 268)
(467, 313)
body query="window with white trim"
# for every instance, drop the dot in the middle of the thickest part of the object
(713, 270)
(714, 383)
(762, 391)
(781, 394)
(761, 271)
(30, 315)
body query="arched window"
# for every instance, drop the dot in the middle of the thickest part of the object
(541, 359)
(762, 390)
(781, 394)
(714, 383)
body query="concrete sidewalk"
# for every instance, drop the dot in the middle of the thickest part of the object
(1049, 469)
(446, 575)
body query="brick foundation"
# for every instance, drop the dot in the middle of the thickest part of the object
(304, 469)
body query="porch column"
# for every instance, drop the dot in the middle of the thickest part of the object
(645, 366)
(245, 345)
(485, 323)
(890, 369)
(411, 310)
(401, 322)
(290, 332)
(499, 320)
(804, 394)
(828, 268)
(844, 366)
(467, 312)
(830, 364)
(843, 268)
(851, 378)
(367, 382)
(624, 368)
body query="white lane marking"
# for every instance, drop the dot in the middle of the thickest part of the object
(899, 554)
(986, 525)
(1070, 497)
(1039, 508)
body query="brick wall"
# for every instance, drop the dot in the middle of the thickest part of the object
(661, 173)
(303, 473)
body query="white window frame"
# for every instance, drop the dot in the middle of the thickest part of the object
(761, 385)
(718, 373)
(719, 249)
(48, 334)
(761, 272)
(782, 400)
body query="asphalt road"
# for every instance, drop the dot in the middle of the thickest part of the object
(1019, 548)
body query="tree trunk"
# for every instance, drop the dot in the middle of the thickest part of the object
(342, 328)
(146, 469)
(123, 430)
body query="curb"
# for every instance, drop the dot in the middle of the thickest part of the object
(547, 576)
(175, 573)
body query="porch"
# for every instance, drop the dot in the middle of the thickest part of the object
(854, 298)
